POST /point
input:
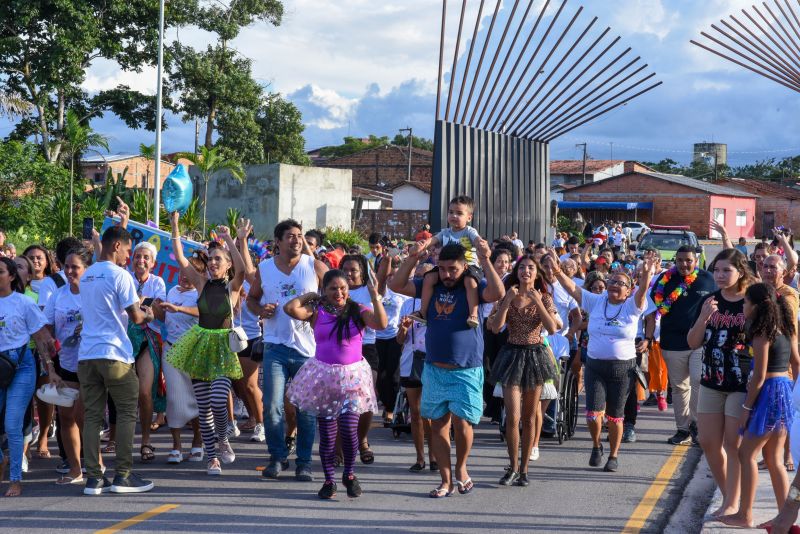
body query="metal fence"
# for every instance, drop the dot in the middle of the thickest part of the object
(507, 177)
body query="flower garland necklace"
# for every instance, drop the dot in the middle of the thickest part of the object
(663, 305)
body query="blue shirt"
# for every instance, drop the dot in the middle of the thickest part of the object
(449, 339)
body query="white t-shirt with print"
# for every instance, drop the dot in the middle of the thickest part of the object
(106, 290)
(392, 302)
(48, 287)
(63, 311)
(413, 342)
(564, 304)
(20, 318)
(178, 323)
(612, 327)
(155, 288)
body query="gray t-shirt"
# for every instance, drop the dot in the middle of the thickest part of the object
(466, 238)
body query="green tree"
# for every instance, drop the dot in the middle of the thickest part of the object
(352, 145)
(416, 142)
(209, 162)
(281, 131)
(47, 47)
(78, 138)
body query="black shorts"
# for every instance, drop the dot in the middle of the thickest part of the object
(410, 383)
(248, 349)
(607, 385)
(65, 375)
(370, 353)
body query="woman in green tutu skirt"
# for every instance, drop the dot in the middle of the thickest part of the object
(203, 351)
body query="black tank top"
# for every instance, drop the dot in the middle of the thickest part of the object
(780, 351)
(214, 305)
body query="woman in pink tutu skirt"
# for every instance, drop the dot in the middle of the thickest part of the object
(336, 385)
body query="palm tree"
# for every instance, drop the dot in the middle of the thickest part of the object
(148, 152)
(209, 162)
(79, 138)
(12, 104)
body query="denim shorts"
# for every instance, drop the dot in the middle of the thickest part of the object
(457, 391)
(607, 385)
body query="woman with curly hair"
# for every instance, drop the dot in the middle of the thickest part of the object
(524, 364)
(720, 330)
(767, 409)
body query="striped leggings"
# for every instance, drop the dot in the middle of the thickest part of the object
(212, 405)
(347, 424)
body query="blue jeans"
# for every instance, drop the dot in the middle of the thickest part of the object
(280, 364)
(15, 400)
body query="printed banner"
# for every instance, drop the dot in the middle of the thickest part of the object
(166, 266)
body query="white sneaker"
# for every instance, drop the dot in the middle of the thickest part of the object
(226, 453)
(534, 453)
(233, 429)
(258, 434)
(195, 454)
(213, 468)
(24, 463)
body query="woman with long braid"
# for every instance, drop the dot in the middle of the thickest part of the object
(336, 385)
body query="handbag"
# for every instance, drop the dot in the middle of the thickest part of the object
(237, 338)
(418, 362)
(8, 367)
(640, 376)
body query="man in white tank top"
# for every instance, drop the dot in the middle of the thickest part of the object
(288, 343)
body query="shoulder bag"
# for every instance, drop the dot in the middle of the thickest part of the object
(9, 361)
(237, 338)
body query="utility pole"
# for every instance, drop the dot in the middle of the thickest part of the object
(410, 131)
(583, 168)
(196, 136)
(159, 76)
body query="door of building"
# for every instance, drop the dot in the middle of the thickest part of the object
(719, 216)
(767, 223)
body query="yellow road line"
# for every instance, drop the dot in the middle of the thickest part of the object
(645, 507)
(138, 519)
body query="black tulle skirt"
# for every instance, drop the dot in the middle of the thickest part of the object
(526, 366)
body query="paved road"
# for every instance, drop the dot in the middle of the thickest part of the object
(565, 496)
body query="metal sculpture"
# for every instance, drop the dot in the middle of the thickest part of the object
(778, 61)
(493, 124)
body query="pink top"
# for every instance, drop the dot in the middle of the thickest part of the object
(328, 348)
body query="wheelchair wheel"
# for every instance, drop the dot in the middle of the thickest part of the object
(571, 400)
(560, 432)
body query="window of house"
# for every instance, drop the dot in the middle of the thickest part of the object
(741, 217)
(99, 177)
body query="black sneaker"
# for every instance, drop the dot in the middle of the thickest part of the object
(523, 480)
(132, 483)
(651, 400)
(273, 470)
(291, 445)
(611, 465)
(351, 483)
(597, 456)
(434, 467)
(327, 491)
(509, 478)
(96, 486)
(681, 437)
(303, 474)
(669, 396)
(693, 433)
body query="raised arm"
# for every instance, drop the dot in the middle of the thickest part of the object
(565, 281)
(788, 251)
(382, 274)
(243, 230)
(494, 289)
(497, 319)
(648, 270)
(376, 317)
(723, 233)
(401, 281)
(585, 261)
(198, 280)
(238, 262)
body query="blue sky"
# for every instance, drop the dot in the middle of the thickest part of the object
(359, 67)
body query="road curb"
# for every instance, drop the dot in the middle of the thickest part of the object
(688, 515)
(764, 508)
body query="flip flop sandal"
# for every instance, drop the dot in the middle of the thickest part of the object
(417, 467)
(438, 493)
(174, 457)
(465, 487)
(147, 452)
(366, 454)
(66, 480)
(111, 448)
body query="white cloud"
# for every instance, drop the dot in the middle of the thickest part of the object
(645, 17)
(710, 85)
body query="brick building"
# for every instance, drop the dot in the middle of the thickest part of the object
(570, 171)
(140, 171)
(672, 200)
(777, 205)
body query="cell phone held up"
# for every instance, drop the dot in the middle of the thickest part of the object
(88, 226)
(147, 302)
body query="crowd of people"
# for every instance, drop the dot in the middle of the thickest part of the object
(462, 327)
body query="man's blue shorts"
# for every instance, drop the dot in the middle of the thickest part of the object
(457, 391)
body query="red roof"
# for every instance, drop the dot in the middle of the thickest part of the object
(762, 187)
(575, 166)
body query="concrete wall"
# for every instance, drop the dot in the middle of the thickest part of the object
(317, 197)
(408, 197)
(731, 205)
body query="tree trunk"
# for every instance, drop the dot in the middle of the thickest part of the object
(212, 114)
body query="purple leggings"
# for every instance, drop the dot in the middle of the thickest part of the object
(347, 425)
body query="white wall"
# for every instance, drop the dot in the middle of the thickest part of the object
(408, 197)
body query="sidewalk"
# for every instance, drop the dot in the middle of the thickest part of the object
(764, 507)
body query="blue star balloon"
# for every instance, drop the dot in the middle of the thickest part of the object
(177, 190)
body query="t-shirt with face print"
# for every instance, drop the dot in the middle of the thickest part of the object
(726, 358)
